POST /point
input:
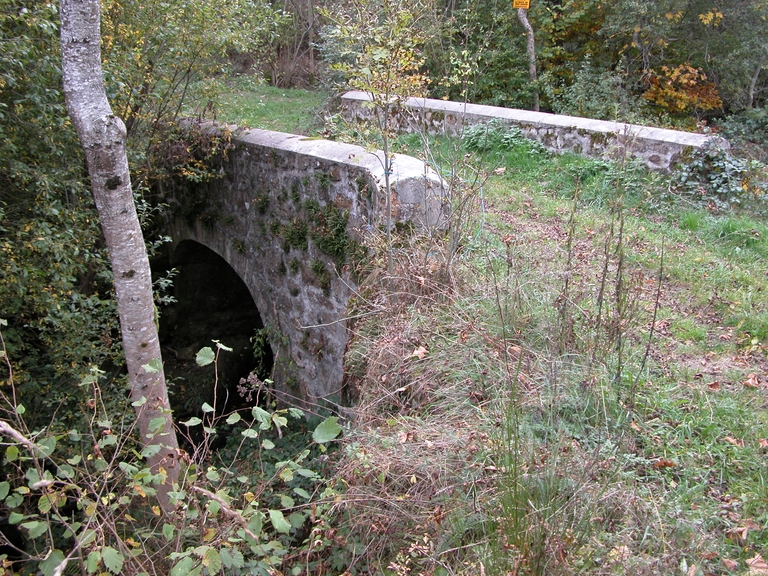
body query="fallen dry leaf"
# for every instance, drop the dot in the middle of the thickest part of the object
(500, 170)
(757, 566)
(752, 381)
(664, 463)
(619, 554)
(404, 437)
(420, 352)
(734, 441)
(714, 385)
(740, 533)
(763, 443)
(729, 564)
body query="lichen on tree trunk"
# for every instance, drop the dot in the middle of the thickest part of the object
(103, 137)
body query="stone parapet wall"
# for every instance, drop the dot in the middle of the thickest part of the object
(658, 148)
(288, 213)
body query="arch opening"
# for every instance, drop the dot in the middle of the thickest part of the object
(212, 303)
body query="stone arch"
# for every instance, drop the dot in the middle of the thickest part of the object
(212, 303)
(291, 216)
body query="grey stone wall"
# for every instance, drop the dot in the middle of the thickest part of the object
(658, 148)
(288, 213)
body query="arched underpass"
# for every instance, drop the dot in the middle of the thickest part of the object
(212, 303)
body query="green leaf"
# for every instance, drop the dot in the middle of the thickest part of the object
(297, 519)
(45, 503)
(221, 346)
(11, 453)
(113, 559)
(255, 523)
(140, 402)
(149, 451)
(234, 418)
(65, 471)
(184, 567)
(207, 408)
(92, 563)
(168, 530)
(154, 366)
(267, 444)
(157, 424)
(49, 565)
(249, 433)
(327, 430)
(280, 421)
(264, 417)
(35, 528)
(108, 440)
(286, 501)
(205, 356)
(15, 518)
(301, 492)
(231, 558)
(87, 537)
(212, 560)
(194, 421)
(20, 410)
(14, 500)
(5, 487)
(47, 445)
(128, 469)
(296, 413)
(279, 522)
(306, 472)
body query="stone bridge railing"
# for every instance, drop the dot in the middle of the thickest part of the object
(288, 214)
(658, 148)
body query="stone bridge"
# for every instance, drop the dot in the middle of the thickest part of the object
(289, 215)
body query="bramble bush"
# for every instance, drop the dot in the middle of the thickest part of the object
(716, 177)
(86, 497)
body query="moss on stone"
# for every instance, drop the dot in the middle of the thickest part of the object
(295, 234)
(322, 276)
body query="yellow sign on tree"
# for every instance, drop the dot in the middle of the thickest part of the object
(521, 4)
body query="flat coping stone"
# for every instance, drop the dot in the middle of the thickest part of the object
(543, 120)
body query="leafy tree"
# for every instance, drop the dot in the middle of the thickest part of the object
(55, 286)
(153, 51)
(378, 46)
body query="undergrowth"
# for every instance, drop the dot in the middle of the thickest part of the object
(586, 396)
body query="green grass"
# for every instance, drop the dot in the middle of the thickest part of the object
(244, 101)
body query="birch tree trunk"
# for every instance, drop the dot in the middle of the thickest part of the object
(522, 15)
(103, 137)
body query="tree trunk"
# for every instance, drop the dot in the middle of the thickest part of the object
(103, 137)
(522, 15)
